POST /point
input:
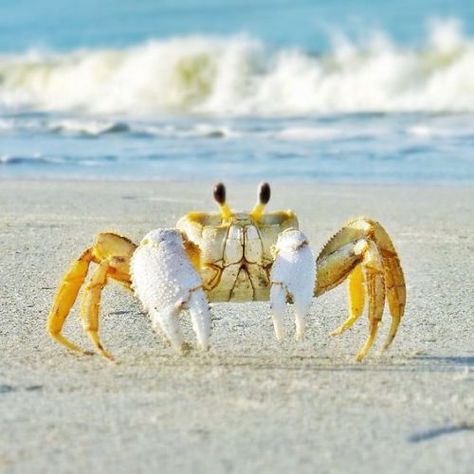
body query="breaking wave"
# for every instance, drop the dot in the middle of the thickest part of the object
(241, 76)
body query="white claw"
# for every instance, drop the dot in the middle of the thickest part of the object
(278, 307)
(166, 283)
(199, 309)
(166, 321)
(293, 276)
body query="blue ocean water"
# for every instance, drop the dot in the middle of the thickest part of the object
(294, 90)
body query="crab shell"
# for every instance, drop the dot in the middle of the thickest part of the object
(235, 254)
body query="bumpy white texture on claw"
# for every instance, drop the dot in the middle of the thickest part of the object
(166, 283)
(292, 276)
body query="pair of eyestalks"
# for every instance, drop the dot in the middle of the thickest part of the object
(263, 197)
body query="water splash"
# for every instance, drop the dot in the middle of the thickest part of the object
(241, 76)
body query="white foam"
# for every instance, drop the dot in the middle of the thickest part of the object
(87, 127)
(307, 134)
(239, 75)
(422, 131)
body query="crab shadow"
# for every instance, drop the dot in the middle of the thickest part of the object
(464, 360)
(417, 364)
(434, 433)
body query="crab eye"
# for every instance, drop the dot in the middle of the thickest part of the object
(264, 193)
(219, 193)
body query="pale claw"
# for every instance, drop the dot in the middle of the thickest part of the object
(199, 309)
(278, 307)
(166, 283)
(292, 277)
(166, 321)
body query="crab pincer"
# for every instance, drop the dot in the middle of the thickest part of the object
(166, 283)
(292, 277)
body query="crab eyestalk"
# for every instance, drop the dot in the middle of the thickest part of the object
(264, 194)
(219, 196)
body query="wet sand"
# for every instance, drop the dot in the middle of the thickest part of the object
(250, 404)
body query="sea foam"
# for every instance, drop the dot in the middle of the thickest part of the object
(241, 76)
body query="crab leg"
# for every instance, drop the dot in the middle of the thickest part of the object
(292, 277)
(112, 252)
(65, 298)
(90, 306)
(362, 250)
(376, 295)
(356, 295)
(166, 283)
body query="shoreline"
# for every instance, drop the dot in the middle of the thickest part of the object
(245, 182)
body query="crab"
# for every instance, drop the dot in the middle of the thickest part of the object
(235, 257)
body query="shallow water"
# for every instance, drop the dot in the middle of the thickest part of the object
(208, 89)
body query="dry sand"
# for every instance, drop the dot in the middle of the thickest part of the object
(249, 405)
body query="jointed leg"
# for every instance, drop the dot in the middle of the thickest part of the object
(376, 299)
(393, 331)
(65, 298)
(373, 328)
(90, 306)
(363, 249)
(115, 251)
(356, 295)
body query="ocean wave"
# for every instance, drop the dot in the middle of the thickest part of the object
(33, 159)
(241, 76)
(96, 128)
(88, 127)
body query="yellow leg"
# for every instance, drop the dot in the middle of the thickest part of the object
(393, 273)
(364, 243)
(370, 340)
(356, 300)
(65, 298)
(91, 304)
(394, 278)
(376, 297)
(108, 247)
(393, 331)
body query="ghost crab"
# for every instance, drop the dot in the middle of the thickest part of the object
(230, 256)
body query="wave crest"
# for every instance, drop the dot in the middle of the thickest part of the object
(239, 76)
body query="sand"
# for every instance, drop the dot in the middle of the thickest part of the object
(250, 404)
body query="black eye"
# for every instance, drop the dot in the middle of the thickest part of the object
(219, 193)
(264, 193)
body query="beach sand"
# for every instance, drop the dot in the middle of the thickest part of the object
(250, 404)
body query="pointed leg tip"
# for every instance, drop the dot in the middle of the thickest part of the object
(299, 337)
(108, 356)
(361, 356)
(386, 346)
(279, 334)
(105, 354)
